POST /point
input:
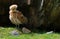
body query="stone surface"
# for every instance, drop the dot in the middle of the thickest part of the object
(50, 32)
(25, 30)
(14, 32)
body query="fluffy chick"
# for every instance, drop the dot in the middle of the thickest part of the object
(15, 16)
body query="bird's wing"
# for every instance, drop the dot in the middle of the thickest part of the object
(21, 17)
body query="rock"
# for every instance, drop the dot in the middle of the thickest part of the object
(25, 30)
(49, 32)
(14, 32)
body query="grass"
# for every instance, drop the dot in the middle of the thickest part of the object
(5, 34)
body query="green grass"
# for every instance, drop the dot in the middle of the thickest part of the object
(4, 34)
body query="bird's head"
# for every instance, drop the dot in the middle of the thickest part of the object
(13, 7)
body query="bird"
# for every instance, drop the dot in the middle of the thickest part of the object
(16, 17)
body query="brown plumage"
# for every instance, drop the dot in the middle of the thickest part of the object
(15, 16)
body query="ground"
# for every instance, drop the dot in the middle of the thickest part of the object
(5, 34)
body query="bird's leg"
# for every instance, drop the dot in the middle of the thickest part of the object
(18, 26)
